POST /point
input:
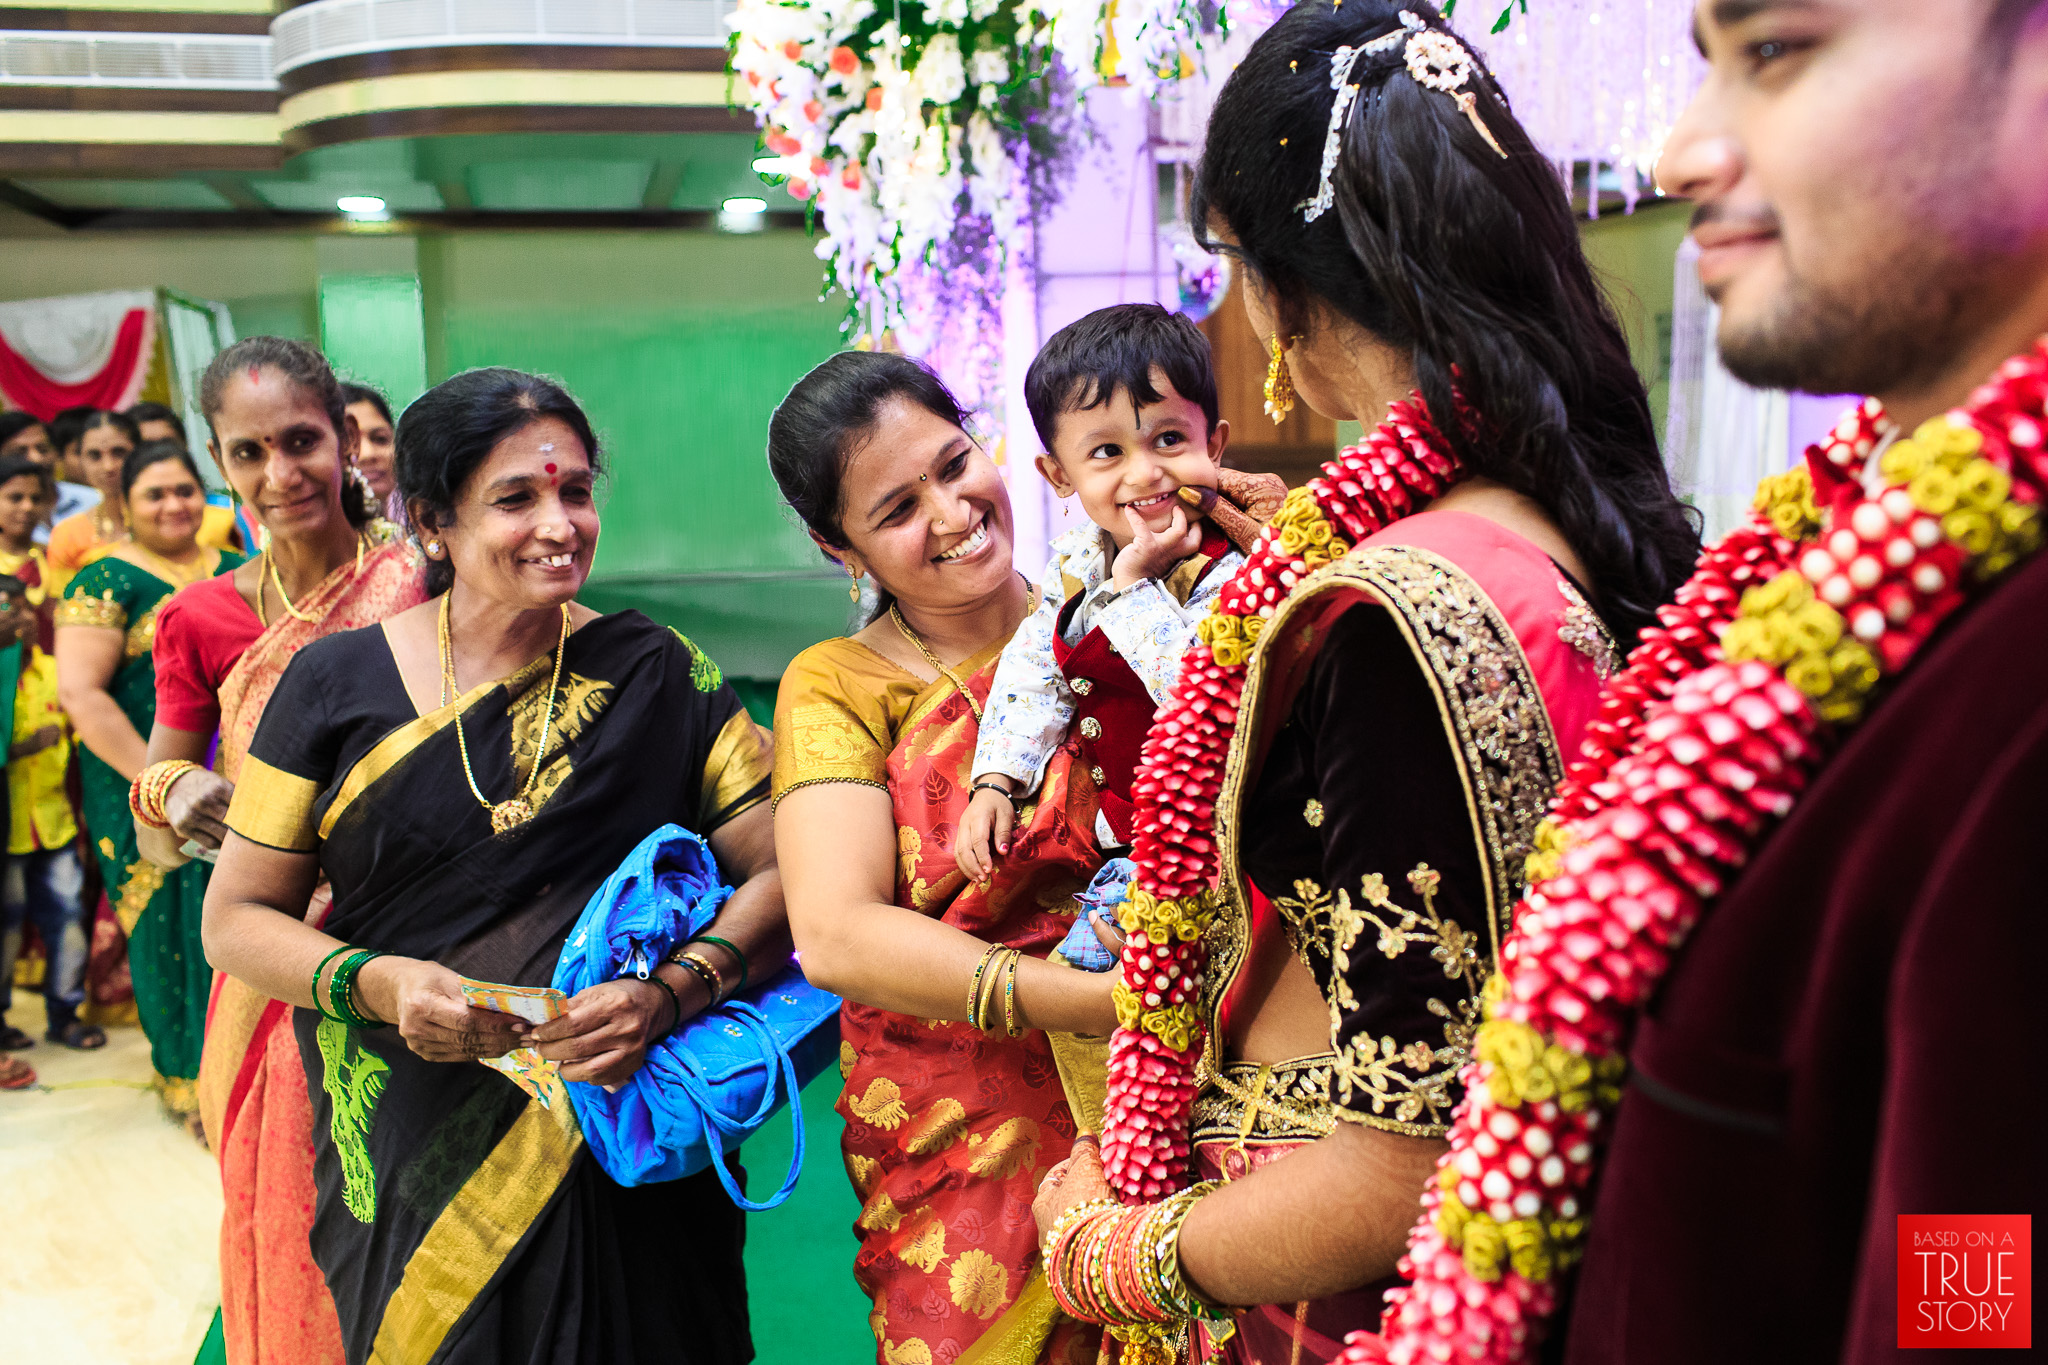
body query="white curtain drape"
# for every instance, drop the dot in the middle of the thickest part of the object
(69, 339)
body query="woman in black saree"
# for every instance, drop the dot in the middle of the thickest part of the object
(465, 776)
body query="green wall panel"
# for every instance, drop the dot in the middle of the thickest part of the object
(373, 333)
(1635, 258)
(278, 315)
(678, 345)
(801, 1294)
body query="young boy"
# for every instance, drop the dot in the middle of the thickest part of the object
(1125, 402)
(45, 881)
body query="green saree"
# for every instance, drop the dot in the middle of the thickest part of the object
(158, 910)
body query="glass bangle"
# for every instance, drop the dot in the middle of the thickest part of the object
(730, 947)
(322, 1009)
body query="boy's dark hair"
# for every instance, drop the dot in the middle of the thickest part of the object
(10, 586)
(1114, 350)
(156, 412)
(67, 426)
(21, 466)
(12, 424)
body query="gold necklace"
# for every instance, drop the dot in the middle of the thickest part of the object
(278, 583)
(517, 811)
(184, 575)
(933, 660)
(896, 615)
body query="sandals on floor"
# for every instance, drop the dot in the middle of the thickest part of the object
(13, 1039)
(79, 1036)
(15, 1074)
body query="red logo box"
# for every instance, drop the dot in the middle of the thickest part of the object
(1966, 1280)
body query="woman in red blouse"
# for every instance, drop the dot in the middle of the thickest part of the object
(283, 440)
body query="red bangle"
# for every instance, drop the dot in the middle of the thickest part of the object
(147, 792)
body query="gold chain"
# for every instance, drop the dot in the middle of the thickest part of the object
(170, 569)
(933, 660)
(896, 615)
(297, 615)
(517, 811)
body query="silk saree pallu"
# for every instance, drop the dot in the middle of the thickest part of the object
(252, 1088)
(459, 1218)
(948, 1131)
(158, 911)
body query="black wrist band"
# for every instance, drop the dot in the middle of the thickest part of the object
(1008, 796)
(674, 1000)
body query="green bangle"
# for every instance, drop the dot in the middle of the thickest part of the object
(732, 948)
(322, 1009)
(341, 989)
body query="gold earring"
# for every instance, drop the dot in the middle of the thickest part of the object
(1279, 384)
(433, 549)
(853, 585)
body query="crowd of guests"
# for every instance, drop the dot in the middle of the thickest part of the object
(103, 515)
(352, 746)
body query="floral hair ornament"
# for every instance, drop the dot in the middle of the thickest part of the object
(1440, 62)
(1435, 60)
(1342, 63)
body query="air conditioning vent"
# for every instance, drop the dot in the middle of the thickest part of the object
(162, 61)
(345, 28)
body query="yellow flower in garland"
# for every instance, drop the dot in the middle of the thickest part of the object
(1524, 1069)
(1784, 624)
(1163, 921)
(1303, 530)
(1787, 499)
(1230, 638)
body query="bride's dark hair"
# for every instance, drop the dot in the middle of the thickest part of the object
(1440, 246)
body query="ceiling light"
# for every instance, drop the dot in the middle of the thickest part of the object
(767, 165)
(359, 204)
(745, 203)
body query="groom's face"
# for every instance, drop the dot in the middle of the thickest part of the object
(1870, 183)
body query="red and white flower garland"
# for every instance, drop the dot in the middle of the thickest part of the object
(1400, 466)
(1703, 744)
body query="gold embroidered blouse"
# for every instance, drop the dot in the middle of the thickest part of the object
(1407, 756)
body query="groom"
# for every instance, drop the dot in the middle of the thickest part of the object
(1853, 1034)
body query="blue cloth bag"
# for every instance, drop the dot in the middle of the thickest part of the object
(1104, 896)
(711, 1084)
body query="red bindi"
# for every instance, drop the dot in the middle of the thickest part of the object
(254, 374)
(551, 469)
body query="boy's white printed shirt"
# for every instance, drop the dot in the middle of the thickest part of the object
(1030, 705)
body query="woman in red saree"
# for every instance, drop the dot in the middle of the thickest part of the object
(948, 1127)
(282, 439)
(1409, 703)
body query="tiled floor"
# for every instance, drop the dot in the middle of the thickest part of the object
(109, 1212)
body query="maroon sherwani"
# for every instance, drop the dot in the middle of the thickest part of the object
(1851, 1035)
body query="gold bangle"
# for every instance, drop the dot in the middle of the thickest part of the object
(701, 964)
(974, 987)
(1010, 995)
(991, 992)
(694, 965)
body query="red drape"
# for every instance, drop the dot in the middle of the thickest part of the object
(26, 387)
